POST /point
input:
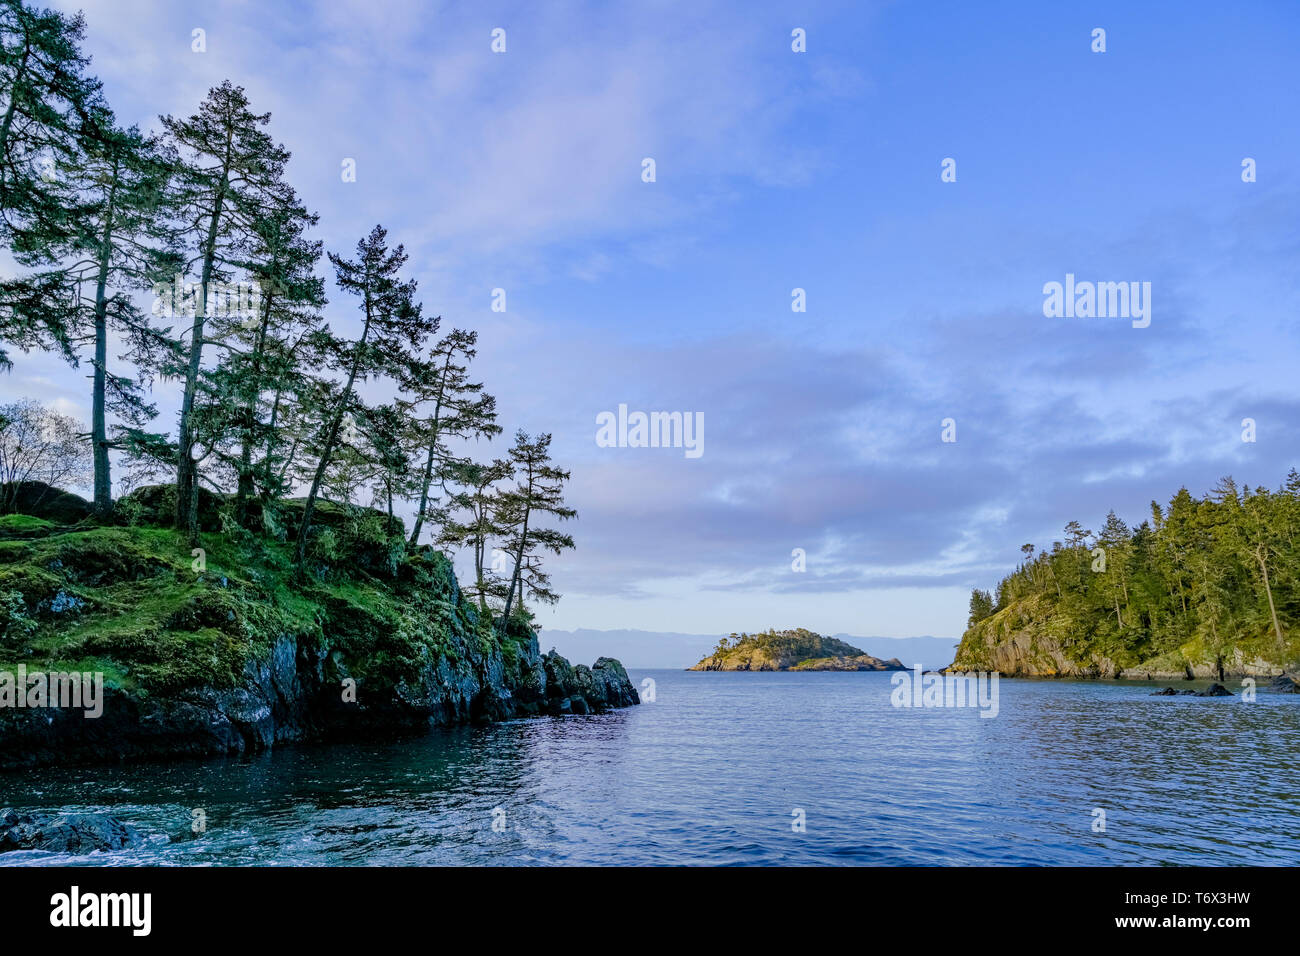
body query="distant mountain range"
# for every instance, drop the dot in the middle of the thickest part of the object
(652, 649)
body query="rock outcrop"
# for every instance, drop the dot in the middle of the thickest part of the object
(856, 662)
(39, 500)
(238, 656)
(585, 690)
(63, 832)
(299, 692)
(1214, 690)
(1286, 684)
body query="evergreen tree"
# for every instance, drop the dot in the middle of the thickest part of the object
(1259, 535)
(118, 243)
(392, 329)
(1222, 571)
(539, 493)
(48, 101)
(460, 410)
(981, 607)
(230, 172)
(265, 356)
(1114, 542)
(385, 432)
(479, 503)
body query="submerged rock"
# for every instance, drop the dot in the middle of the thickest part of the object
(63, 832)
(1215, 690)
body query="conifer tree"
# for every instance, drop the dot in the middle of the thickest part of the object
(473, 521)
(539, 492)
(230, 172)
(119, 242)
(48, 99)
(393, 328)
(264, 355)
(385, 435)
(460, 410)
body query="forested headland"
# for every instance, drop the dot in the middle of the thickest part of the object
(264, 519)
(1204, 587)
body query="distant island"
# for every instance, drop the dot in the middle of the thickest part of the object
(795, 650)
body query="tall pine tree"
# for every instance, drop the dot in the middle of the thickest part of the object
(539, 492)
(231, 171)
(460, 410)
(393, 329)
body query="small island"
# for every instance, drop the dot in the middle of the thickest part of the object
(794, 650)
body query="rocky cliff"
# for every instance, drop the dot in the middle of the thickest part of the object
(222, 650)
(1032, 638)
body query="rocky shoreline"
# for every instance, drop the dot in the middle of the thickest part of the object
(241, 655)
(294, 696)
(1024, 640)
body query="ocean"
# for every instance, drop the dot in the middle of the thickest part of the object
(740, 769)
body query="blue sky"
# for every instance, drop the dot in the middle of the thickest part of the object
(816, 170)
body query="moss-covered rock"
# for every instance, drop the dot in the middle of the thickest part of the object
(223, 648)
(24, 526)
(156, 505)
(39, 500)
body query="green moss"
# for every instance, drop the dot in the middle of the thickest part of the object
(24, 526)
(139, 604)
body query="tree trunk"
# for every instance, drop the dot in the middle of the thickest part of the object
(98, 428)
(331, 438)
(300, 554)
(245, 487)
(478, 571)
(187, 485)
(519, 557)
(20, 76)
(519, 560)
(1272, 610)
(428, 464)
(270, 442)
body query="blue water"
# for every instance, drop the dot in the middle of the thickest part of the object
(712, 771)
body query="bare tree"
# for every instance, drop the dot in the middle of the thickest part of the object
(39, 444)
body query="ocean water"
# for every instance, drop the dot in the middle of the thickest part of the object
(715, 771)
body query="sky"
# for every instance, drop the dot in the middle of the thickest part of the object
(778, 170)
